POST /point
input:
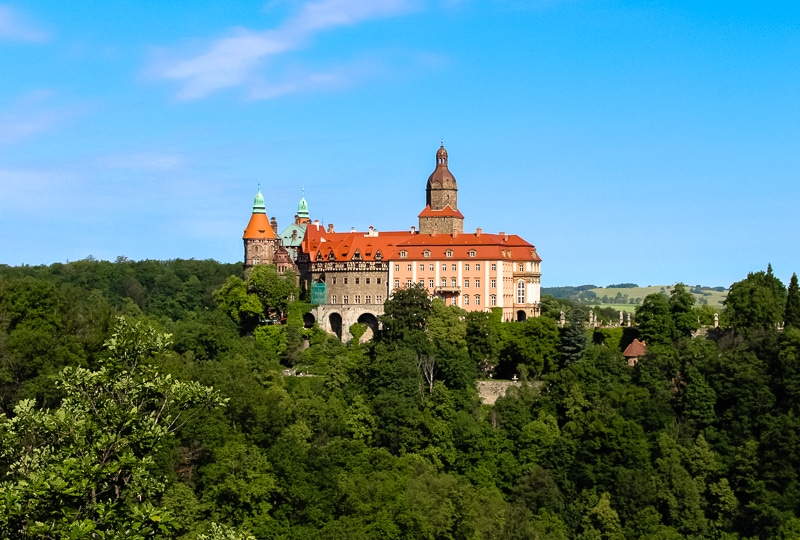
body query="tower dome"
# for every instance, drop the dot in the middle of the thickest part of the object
(259, 206)
(302, 207)
(441, 180)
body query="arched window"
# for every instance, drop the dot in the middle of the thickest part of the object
(448, 253)
(521, 292)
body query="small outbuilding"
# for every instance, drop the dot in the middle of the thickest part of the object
(634, 351)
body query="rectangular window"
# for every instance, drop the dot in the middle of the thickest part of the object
(345, 281)
(368, 299)
(409, 268)
(430, 283)
(397, 284)
(454, 282)
(466, 299)
(466, 284)
(379, 299)
(422, 282)
(378, 280)
(444, 282)
(477, 299)
(358, 280)
(444, 267)
(478, 283)
(397, 268)
(466, 267)
(333, 299)
(455, 267)
(430, 267)
(494, 267)
(358, 299)
(494, 284)
(367, 280)
(344, 299)
(422, 267)
(333, 280)
(478, 267)
(408, 284)
(521, 267)
(494, 299)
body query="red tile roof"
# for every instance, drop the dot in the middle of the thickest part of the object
(635, 349)
(447, 211)
(344, 246)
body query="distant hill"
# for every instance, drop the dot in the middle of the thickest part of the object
(630, 294)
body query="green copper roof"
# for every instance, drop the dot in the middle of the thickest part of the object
(302, 208)
(259, 207)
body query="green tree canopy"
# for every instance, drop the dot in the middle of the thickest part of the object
(757, 301)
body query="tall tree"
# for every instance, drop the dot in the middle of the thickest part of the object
(757, 301)
(684, 320)
(86, 468)
(573, 338)
(405, 315)
(655, 319)
(791, 315)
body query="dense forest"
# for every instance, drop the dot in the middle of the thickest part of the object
(177, 399)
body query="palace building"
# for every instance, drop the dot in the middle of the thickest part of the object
(351, 274)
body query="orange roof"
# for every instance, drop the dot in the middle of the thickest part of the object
(635, 349)
(258, 227)
(349, 245)
(447, 211)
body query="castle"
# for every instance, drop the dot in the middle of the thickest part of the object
(351, 274)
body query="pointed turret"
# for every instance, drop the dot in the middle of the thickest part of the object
(302, 209)
(260, 239)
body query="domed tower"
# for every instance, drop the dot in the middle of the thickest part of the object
(441, 214)
(260, 240)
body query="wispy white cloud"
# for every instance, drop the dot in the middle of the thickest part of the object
(236, 59)
(32, 114)
(16, 27)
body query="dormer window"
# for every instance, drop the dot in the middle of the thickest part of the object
(357, 255)
(403, 254)
(448, 253)
(378, 255)
(472, 253)
(331, 256)
(426, 253)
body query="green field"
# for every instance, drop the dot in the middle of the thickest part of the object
(712, 297)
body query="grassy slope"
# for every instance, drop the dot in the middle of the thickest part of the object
(714, 298)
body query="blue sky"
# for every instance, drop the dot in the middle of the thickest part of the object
(643, 141)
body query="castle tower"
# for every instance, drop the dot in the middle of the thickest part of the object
(302, 210)
(260, 240)
(441, 213)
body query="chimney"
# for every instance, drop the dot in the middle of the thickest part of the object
(274, 224)
(352, 229)
(413, 229)
(296, 219)
(316, 223)
(330, 227)
(478, 232)
(455, 230)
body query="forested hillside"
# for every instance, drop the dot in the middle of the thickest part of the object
(150, 400)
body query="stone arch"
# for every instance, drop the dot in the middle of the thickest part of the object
(335, 323)
(372, 326)
(309, 320)
(521, 315)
